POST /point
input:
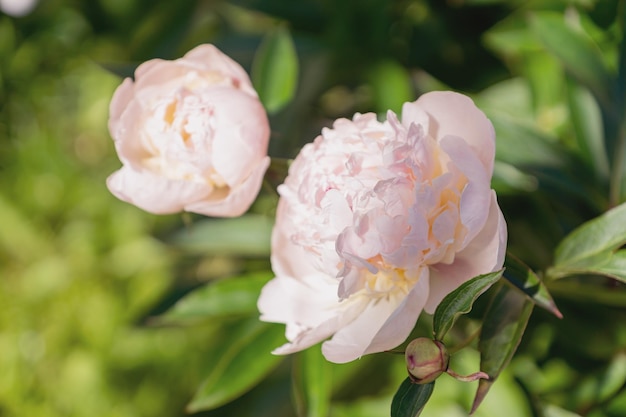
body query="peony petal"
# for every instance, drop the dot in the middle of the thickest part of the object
(477, 194)
(154, 193)
(456, 115)
(483, 255)
(400, 324)
(209, 58)
(120, 100)
(238, 200)
(308, 308)
(241, 133)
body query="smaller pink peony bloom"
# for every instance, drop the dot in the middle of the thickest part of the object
(378, 221)
(191, 134)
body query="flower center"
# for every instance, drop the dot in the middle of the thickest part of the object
(386, 280)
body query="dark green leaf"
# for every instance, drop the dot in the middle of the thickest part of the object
(589, 292)
(275, 70)
(226, 297)
(523, 278)
(460, 302)
(248, 235)
(410, 399)
(503, 327)
(312, 383)
(245, 360)
(578, 54)
(590, 241)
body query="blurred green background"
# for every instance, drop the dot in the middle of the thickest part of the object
(83, 275)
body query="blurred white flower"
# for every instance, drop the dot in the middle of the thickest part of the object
(17, 8)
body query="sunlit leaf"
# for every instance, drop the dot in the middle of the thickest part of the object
(245, 361)
(226, 297)
(586, 120)
(248, 235)
(275, 70)
(391, 85)
(578, 54)
(460, 301)
(588, 245)
(312, 383)
(523, 278)
(503, 327)
(410, 399)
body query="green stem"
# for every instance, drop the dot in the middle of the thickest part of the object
(617, 170)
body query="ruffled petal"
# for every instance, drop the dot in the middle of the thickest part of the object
(483, 255)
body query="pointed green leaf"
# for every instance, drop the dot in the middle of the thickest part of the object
(410, 399)
(312, 383)
(275, 70)
(503, 327)
(460, 302)
(586, 120)
(583, 246)
(523, 278)
(576, 51)
(226, 297)
(248, 235)
(245, 361)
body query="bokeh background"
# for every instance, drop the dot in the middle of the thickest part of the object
(84, 276)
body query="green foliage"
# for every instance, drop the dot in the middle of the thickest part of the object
(233, 296)
(591, 248)
(503, 327)
(411, 398)
(86, 281)
(248, 235)
(275, 70)
(460, 302)
(312, 377)
(241, 361)
(523, 278)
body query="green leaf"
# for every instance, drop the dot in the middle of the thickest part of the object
(245, 361)
(226, 297)
(588, 292)
(523, 278)
(391, 86)
(503, 327)
(410, 399)
(523, 145)
(590, 242)
(586, 120)
(248, 235)
(312, 383)
(576, 51)
(600, 387)
(460, 302)
(275, 70)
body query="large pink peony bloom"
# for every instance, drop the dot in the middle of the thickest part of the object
(379, 221)
(191, 135)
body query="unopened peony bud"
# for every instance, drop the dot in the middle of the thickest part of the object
(426, 359)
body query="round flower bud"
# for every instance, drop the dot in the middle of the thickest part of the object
(426, 359)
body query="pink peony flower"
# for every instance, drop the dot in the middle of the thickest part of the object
(379, 221)
(191, 135)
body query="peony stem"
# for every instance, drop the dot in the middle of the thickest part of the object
(468, 378)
